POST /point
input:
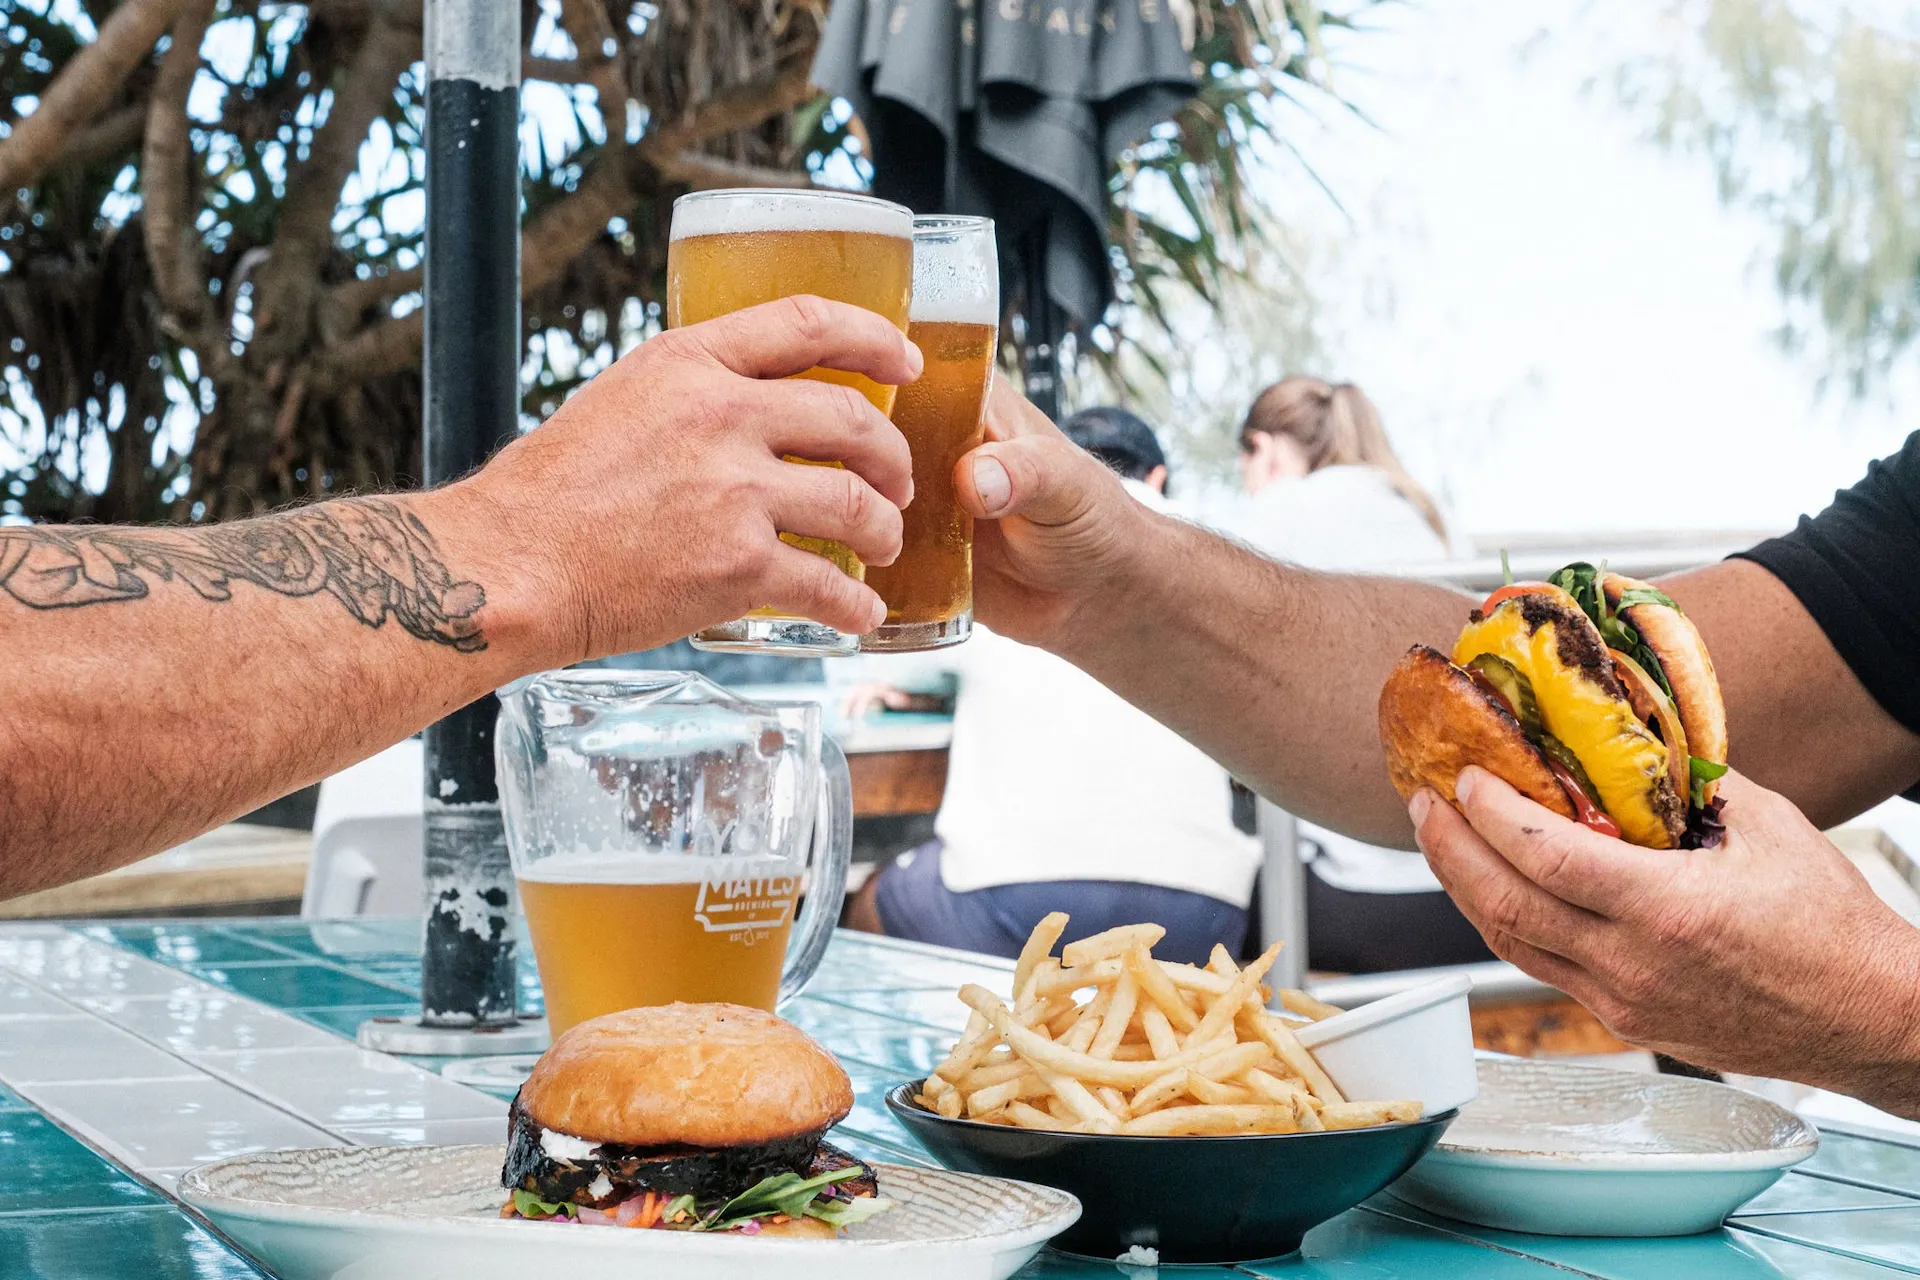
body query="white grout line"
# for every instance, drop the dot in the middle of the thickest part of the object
(59, 964)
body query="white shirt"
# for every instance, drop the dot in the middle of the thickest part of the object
(1347, 519)
(1054, 777)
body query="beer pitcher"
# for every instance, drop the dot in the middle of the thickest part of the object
(662, 831)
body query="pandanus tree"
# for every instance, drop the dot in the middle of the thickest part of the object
(210, 217)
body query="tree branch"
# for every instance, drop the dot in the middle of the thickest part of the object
(173, 249)
(77, 93)
(593, 34)
(739, 107)
(313, 189)
(109, 136)
(342, 306)
(703, 172)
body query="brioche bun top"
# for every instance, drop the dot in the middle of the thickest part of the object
(698, 1075)
(1688, 667)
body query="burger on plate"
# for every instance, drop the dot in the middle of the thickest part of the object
(686, 1117)
(1591, 694)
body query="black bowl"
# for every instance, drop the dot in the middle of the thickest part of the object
(1224, 1199)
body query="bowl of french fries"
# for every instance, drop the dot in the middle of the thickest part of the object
(1185, 1115)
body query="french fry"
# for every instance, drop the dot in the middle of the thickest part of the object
(1359, 1115)
(1112, 943)
(1112, 1099)
(1029, 999)
(1079, 1100)
(1159, 1032)
(977, 1041)
(992, 1098)
(1060, 982)
(1215, 1093)
(1064, 1017)
(989, 1074)
(1274, 1089)
(1092, 1017)
(1221, 964)
(1306, 1006)
(1047, 1056)
(1212, 1120)
(1132, 1051)
(1039, 944)
(948, 1104)
(1187, 978)
(1118, 1016)
(934, 1086)
(1221, 1013)
(1030, 1117)
(1223, 1064)
(1257, 1022)
(1158, 988)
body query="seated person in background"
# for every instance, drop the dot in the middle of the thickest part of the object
(1327, 492)
(1060, 796)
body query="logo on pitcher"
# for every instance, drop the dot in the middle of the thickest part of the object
(749, 907)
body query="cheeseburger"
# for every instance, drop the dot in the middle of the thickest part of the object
(1591, 694)
(686, 1117)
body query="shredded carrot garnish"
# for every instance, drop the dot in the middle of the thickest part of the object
(650, 1210)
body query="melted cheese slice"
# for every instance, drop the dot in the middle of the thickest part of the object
(1619, 753)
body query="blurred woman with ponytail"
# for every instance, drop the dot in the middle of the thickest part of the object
(1328, 490)
(1329, 493)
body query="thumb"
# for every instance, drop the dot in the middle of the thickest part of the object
(1045, 479)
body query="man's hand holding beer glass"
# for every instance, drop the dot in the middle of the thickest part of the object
(656, 496)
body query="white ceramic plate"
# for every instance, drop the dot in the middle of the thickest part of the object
(432, 1213)
(1567, 1150)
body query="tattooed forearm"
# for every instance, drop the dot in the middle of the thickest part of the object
(371, 554)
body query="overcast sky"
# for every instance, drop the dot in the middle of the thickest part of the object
(1564, 329)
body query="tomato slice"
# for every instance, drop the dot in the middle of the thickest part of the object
(1585, 811)
(1513, 589)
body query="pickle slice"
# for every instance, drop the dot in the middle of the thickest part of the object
(1514, 687)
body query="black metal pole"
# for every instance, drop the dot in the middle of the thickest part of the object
(473, 407)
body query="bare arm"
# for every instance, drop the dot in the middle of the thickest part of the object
(1276, 670)
(159, 681)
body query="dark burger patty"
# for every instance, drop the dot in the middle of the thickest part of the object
(711, 1175)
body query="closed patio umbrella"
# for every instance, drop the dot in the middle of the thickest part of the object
(1015, 109)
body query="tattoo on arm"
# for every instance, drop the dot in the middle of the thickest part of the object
(371, 554)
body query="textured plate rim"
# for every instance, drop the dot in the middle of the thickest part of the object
(1063, 1211)
(898, 1101)
(1751, 1160)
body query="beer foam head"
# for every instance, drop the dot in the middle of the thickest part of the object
(956, 272)
(594, 866)
(728, 213)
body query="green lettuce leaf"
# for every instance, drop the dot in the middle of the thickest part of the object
(786, 1193)
(845, 1213)
(1701, 772)
(528, 1205)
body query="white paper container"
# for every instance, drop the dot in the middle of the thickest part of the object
(1416, 1044)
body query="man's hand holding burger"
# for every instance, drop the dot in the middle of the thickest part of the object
(1768, 954)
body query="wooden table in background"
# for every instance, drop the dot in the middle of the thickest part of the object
(889, 784)
(237, 869)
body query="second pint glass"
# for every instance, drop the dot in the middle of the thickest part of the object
(956, 317)
(729, 250)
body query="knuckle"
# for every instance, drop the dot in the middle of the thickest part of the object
(809, 316)
(858, 508)
(1555, 859)
(1506, 909)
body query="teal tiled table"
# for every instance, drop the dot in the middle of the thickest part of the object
(129, 1052)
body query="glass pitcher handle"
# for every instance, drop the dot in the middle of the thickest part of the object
(827, 873)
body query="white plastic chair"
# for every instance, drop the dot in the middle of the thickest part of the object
(369, 838)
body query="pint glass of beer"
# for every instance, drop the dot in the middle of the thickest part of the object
(955, 323)
(734, 249)
(662, 831)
